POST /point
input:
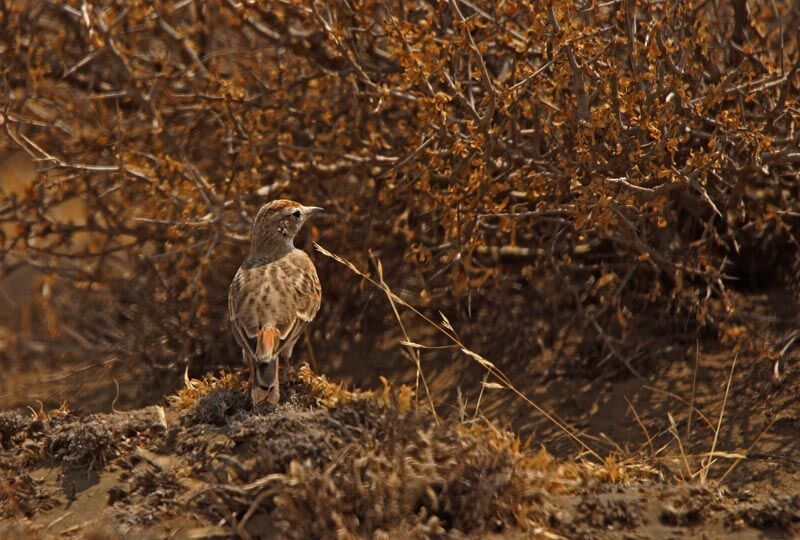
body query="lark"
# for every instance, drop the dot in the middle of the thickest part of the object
(274, 295)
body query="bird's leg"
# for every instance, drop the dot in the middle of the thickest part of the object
(265, 385)
(265, 382)
(249, 363)
(275, 391)
(256, 393)
(286, 355)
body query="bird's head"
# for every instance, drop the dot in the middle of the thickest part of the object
(277, 223)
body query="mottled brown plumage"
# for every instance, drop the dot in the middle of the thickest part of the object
(274, 295)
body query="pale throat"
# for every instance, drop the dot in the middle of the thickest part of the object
(271, 245)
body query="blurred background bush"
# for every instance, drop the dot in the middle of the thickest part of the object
(579, 186)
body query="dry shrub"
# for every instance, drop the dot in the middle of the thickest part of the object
(89, 443)
(70, 441)
(11, 422)
(551, 173)
(196, 389)
(363, 467)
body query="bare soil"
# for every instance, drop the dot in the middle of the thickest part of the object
(326, 461)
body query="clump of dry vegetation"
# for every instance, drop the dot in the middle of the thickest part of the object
(554, 175)
(369, 472)
(329, 463)
(309, 467)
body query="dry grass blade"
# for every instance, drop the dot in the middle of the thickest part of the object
(648, 439)
(414, 351)
(709, 461)
(748, 451)
(694, 390)
(673, 429)
(676, 397)
(450, 334)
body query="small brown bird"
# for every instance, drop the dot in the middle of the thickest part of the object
(274, 295)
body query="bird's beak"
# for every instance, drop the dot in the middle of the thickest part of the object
(311, 210)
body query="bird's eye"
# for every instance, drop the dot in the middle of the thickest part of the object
(296, 214)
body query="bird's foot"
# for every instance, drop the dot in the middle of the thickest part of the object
(262, 394)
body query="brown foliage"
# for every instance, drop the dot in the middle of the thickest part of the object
(538, 169)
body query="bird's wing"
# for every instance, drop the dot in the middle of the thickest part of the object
(284, 295)
(306, 286)
(236, 293)
(303, 295)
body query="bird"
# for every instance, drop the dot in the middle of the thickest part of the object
(274, 295)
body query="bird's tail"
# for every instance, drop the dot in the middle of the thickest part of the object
(265, 370)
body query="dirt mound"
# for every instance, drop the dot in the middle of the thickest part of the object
(329, 463)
